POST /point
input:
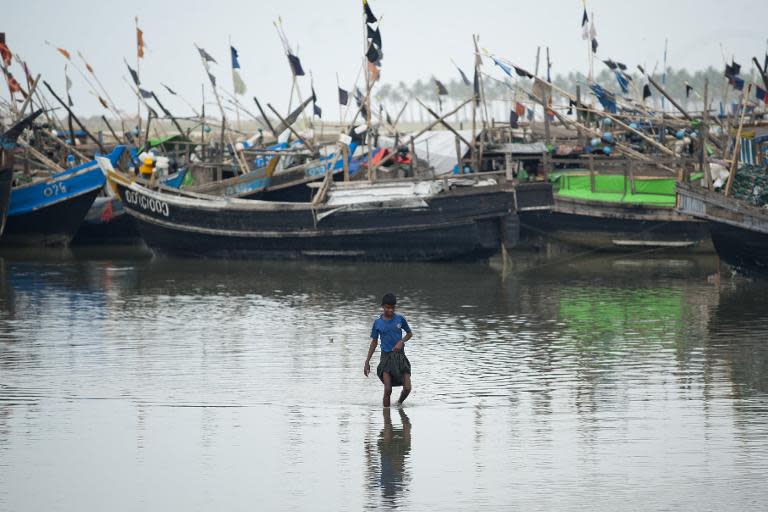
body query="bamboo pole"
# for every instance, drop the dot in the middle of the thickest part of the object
(737, 144)
(703, 136)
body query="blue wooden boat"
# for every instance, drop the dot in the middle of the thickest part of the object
(48, 211)
(7, 145)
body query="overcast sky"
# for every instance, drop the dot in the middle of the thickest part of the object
(420, 37)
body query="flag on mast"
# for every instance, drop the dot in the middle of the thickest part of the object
(139, 41)
(237, 80)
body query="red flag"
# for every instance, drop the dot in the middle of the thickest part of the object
(520, 109)
(6, 54)
(374, 71)
(64, 52)
(103, 103)
(139, 43)
(14, 85)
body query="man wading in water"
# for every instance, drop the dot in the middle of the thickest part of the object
(394, 368)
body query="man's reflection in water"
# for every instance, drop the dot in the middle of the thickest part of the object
(394, 448)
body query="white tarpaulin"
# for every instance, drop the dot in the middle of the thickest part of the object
(436, 147)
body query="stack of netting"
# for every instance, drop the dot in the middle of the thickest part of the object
(751, 184)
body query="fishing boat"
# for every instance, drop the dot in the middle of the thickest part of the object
(7, 144)
(617, 213)
(739, 229)
(395, 220)
(48, 211)
(286, 184)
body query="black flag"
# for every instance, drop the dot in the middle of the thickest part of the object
(343, 96)
(688, 90)
(594, 45)
(611, 65)
(134, 75)
(145, 93)
(317, 111)
(476, 87)
(295, 65)
(513, 117)
(212, 78)
(646, 91)
(169, 89)
(369, 17)
(441, 90)
(375, 36)
(373, 55)
(522, 72)
(463, 76)
(735, 67)
(206, 56)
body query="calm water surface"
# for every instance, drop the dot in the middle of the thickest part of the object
(611, 383)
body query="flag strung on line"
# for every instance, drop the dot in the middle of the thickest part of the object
(464, 77)
(585, 25)
(139, 43)
(522, 72)
(503, 66)
(171, 91)
(134, 75)
(5, 54)
(206, 56)
(623, 82)
(295, 64)
(68, 86)
(343, 96)
(541, 89)
(441, 90)
(606, 98)
(646, 92)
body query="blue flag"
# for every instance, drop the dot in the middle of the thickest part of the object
(504, 67)
(623, 82)
(606, 99)
(235, 63)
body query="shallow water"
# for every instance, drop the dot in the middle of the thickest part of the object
(610, 383)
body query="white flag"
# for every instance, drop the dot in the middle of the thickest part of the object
(238, 83)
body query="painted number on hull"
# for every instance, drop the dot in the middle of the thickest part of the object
(149, 204)
(55, 189)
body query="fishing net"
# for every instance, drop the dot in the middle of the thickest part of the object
(751, 184)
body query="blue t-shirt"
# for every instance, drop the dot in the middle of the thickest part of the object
(389, 332)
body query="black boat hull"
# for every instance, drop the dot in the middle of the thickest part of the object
(51, 226)
(459, 225)
(745, 250)
(618, 228)
(6, 179)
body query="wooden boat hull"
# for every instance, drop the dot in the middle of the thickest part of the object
(456, 225)
(618, 228)
(739, 230)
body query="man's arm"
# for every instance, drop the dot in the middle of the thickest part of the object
(371, 350)
(400, 344)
